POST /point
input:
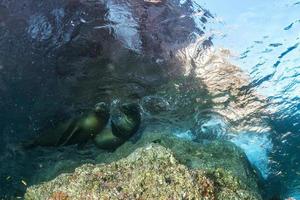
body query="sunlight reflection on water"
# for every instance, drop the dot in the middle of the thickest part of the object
(263, 37)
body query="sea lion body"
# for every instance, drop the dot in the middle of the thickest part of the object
(107, 140)
(74, 131)
(85, 129)
(51, 137)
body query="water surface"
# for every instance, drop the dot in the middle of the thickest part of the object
(263, 37)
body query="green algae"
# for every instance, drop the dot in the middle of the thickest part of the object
(150, 172)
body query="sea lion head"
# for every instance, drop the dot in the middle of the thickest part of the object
(131, 109)
(101, 108)
(126, 120)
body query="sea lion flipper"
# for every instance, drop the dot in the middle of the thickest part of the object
(47, 138)
(66, 130)
(76, 129)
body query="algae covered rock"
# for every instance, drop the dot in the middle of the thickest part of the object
(204, 155)
(150, 172)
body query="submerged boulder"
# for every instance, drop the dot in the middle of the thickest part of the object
(204, 154)
(150, 172)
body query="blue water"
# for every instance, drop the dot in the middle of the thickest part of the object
(263, 38)
(47, 48)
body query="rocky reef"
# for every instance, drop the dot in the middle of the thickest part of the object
(158, 166)
(77, 53)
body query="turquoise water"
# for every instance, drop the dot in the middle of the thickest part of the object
(59, 58)
(263, 37)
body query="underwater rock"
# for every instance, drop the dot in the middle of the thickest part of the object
(203, 154)
(153, 173)
(3, 13)
(155, 104)
(74, 131)
(211, 125)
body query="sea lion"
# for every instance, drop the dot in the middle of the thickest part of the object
(74, 131)
(51, 137)
(107, 140)
(87, 127)
(125, 121)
